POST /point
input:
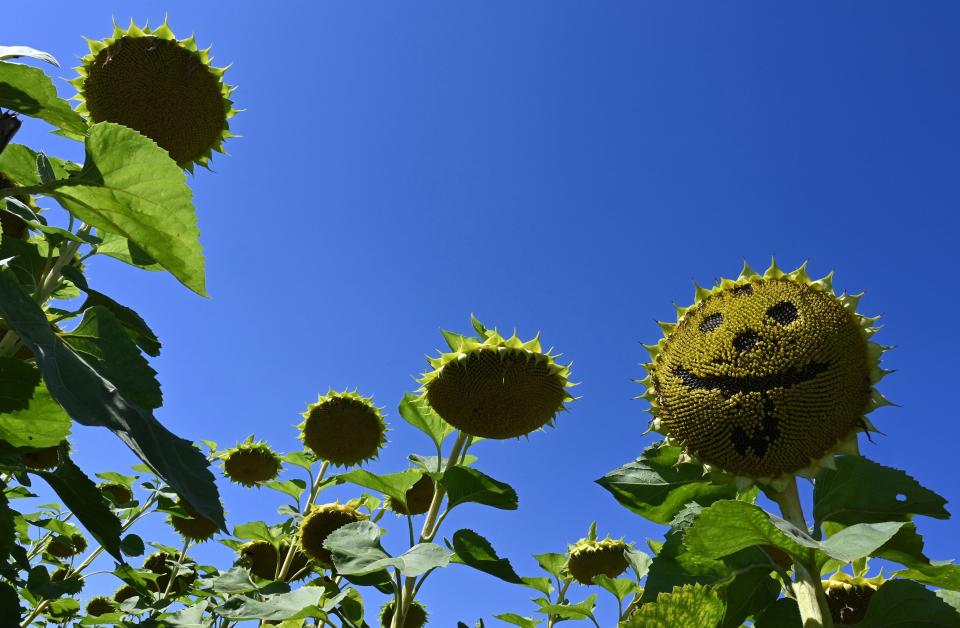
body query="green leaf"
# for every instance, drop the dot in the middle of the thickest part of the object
(300, 603)
(394, 485)
(639, 561)
(656, 487)
(747, 594)
(132, 545)
(300, 459)
(906, 604)
(517, 620)
(356, 551)
(893, 495)
(8, 529)
(619, 587)
(552, 563)
(12, 52)
(784, 613)
(475, 551)
(189, 617)
(692, 606)
(465, 484)
(133, 324)
(131, 187)
(101, 340)
(543, 585)
(294, 488)
(860, 540)
(29, 417)
(85, 501)
(235, 580)
(435, 465)
(92, 400)
(580, 610)
(417, 412)
(255, 531)
(29, 91)
(9, 605)
(19, 164)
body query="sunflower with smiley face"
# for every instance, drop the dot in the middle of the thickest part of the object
(765, 376)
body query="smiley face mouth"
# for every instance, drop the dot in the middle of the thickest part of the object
(729, 385)
(768, 431)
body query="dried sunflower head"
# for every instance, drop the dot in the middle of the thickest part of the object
(125, 593)
(165, 88)
(117, 493)
(589, 558)
(262, 559)
(416, 615)
(344, 428)
(65, 546)
(195, 526)
(251, 463)
(765, 376)
(496, 387)
(419, 497)
(100, 605)
(320, 523)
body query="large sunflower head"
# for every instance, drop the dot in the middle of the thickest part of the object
(194, 526)
(320, 523)
(67, 545)
(496, 387)
(100, 605)
(262, 559)
(165, 88)
(344, 428)
(416, 615)
(251, 463)
(765, 376)
(849, 597)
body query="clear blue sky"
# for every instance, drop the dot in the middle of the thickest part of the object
(560, 166)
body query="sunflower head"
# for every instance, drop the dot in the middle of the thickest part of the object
(765, 376)
(416, 615)
(848, 597)
(195, 526)
(251, 463)
(589, 558)
(124, 593)
(419, 497)
(117, 493)
(162, 564)
(344, 428)
(162, 87)
(44, 458)
(320, 523)
(65, 546)
(262, 559)
(100, 605)
(496, 387)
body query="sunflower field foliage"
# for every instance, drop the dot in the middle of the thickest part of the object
(764, 379)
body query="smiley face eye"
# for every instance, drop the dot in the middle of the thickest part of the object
(711, 322)
(783, 312)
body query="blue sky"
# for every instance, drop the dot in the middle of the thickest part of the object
(558, 166)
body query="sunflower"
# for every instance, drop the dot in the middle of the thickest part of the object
(344, 428)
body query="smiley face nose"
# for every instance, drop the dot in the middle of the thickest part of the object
(745, 340)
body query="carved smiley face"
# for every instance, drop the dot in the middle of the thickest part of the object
(763, 377)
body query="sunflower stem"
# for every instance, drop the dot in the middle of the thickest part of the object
(314, 491)
(807, 588)
(429, 530)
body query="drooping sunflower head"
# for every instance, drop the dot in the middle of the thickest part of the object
(589, 558)
(251, 463)
(496, 387)
(344, 428)
(262, 559)
(118, 493)
(419, 498)
(165, 88)
(849, 597)
(65, 546)
(44, 458)
(416, 615)
(765, 376)
(194, 526)
(100, 605)
(320, 523)
(124, 593)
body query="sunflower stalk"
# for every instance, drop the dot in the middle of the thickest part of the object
(428, 532)
(807, 588)
(314, 491)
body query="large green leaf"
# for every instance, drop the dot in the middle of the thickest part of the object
(356, 551)
(893, 495)
(465, 484)
(656, 487)
(417, 412)
(19, 164)
(91, 399)
(691, 606)
(393, 485)
(518, 620)
(477, 552)
(300, 603)
(905, 604)
(580, 610)
(129, 186)
(102, 341)
(748, 593)
(784, 613)
(9, 606)
(86, 502)
(29, 417)
(29, 91)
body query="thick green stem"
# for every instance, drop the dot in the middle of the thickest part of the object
(807, 588)
(428, 531)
